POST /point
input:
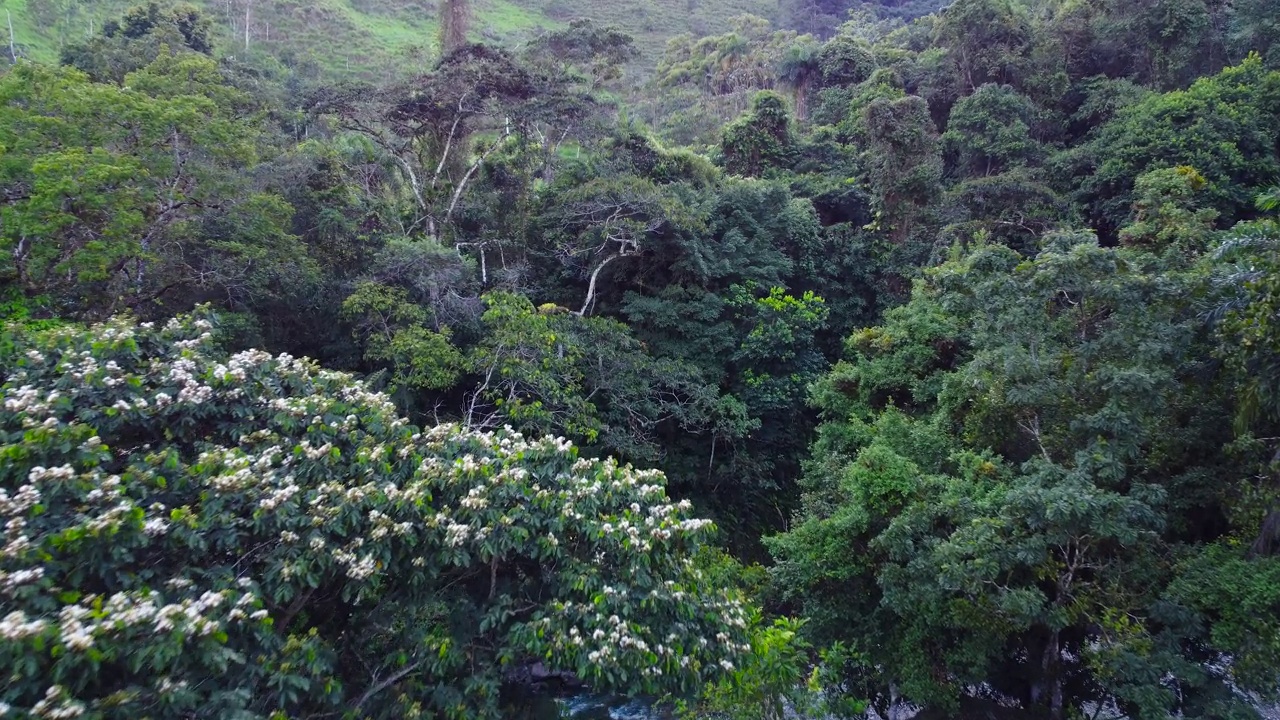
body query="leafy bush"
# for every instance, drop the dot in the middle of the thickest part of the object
(191, 534)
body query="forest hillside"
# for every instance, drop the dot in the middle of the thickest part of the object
(381, 38)
(747, 360)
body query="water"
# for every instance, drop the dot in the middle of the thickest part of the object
(583, 705)
(604, 707)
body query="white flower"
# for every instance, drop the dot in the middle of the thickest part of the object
(155, 526)
(15, 626)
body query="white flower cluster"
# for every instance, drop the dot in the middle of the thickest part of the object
(25, 499)
(16, 626)
(12, 581)
(80, 625)
(16, 540)
(613, 641)
(57, 705)
(26, 400)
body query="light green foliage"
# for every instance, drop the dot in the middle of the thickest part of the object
(1165, 213)
(394, 331)
(530, 374)
(105, 180)
(737, 61)
(708, 81)
(143, 34)
(772, 685)
(253, 536)
(370, 38)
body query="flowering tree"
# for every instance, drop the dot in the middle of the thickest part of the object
(190, 534)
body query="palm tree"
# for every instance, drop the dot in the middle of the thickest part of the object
(798, 68)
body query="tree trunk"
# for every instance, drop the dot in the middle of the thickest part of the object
(13, 47)
(1050, 675)
(455, 17)
(591, 287)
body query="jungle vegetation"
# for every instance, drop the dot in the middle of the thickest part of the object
(828, 359)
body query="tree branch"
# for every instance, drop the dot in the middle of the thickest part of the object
(395, 678)
(591, 287)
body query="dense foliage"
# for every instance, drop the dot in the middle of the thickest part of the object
(959, 322)
(201, 535)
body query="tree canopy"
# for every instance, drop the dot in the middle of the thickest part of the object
(893, 356)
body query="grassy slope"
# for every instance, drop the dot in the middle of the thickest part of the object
(381, 37)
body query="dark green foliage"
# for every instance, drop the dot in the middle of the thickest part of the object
(1015, 209)
(1225, 126)
(988, 40)
(1000, 457)
(138, 38)
(904, 159)
(845, 61)
(993, 130)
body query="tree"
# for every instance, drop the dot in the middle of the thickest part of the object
(126, 198)
(138, 38)
(253, 536)
(546, 370)
(1015, 209)
(1006, 463)
(708, 81)
(844, 60)
(759, 140)
(597, 53)
(993, 130)
(905, 161)
(394, 331)
(988, 40)
(609, 219)
(1164, 43)
(1247, 296)
(1165, 215)
(799, 68)
(455, 21)
(1224, 126)
(443, 129)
